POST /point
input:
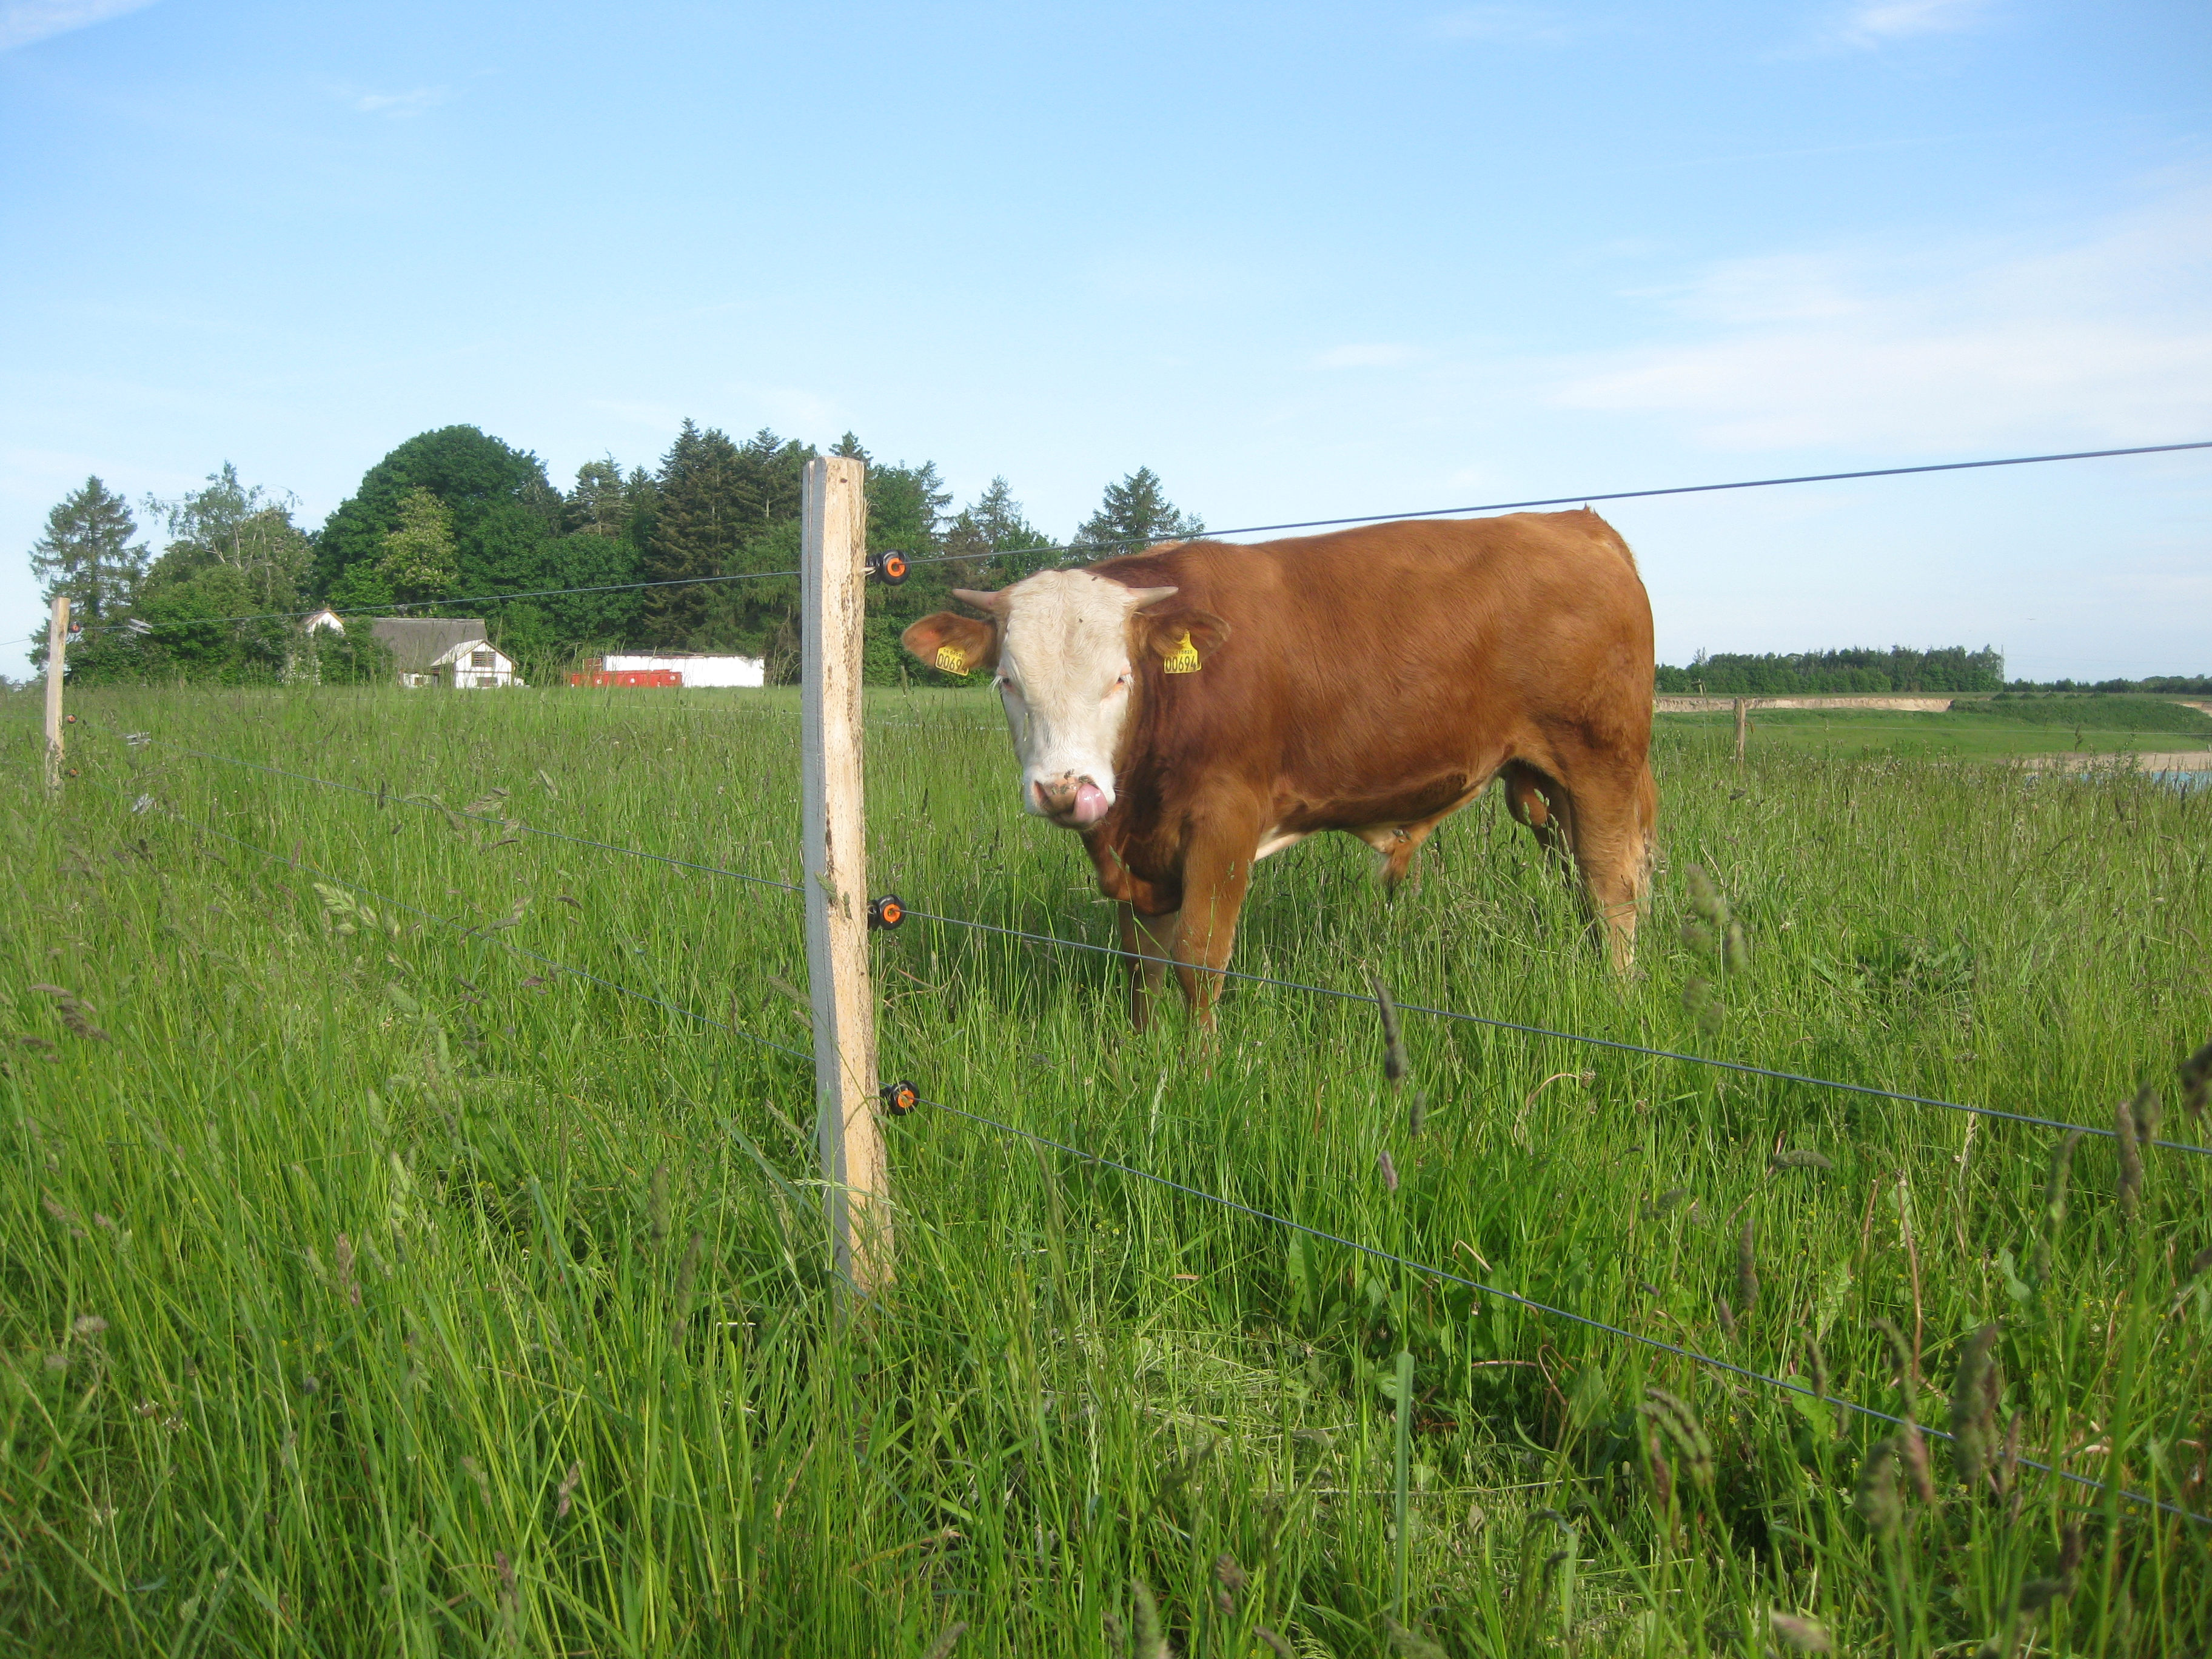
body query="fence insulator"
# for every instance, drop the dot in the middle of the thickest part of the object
(887, 912)
(69, 720)
(900, 1098)
(889, 568)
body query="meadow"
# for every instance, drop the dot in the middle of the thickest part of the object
(1976, 728)
(371, 1282)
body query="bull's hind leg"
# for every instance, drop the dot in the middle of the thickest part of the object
(1541, 804)
(1615, 811)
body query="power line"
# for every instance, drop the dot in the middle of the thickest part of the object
(1534, 1306)
(1546, 1031)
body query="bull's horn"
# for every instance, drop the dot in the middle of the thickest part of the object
(981, 600)
(1141, 597)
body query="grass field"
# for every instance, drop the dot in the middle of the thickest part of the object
(369, 1287)
(1973, 729)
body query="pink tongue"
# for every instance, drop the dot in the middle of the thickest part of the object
(1090, 804)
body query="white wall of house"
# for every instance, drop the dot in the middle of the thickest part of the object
(697, 670)
(473, 664)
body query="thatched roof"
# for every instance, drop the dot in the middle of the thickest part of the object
(418, 643)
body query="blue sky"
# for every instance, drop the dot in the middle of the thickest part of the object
(1302, 261)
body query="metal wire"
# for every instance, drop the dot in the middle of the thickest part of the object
(309, 869)
(1546, 1031)
(1570, 500)
(1534, 1306)
(1241, 529)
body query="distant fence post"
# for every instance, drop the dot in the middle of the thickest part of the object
(56, 665)
(832, 580)
(1742, 726)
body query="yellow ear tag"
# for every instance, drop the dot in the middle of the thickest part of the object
(1183, 659)
(951, 659)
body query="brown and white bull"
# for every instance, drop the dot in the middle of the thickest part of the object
(1189, 709)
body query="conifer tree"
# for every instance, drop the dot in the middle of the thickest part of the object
(87, 553)
(1134, 513)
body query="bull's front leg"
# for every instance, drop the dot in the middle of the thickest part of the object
(1216, 871)
(1149, 943)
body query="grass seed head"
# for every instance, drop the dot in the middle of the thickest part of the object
(1799, 1157)
(1699, 937)
(1736, 949)
(2200, 1262)
(1680, 1425)
(1816, 1368)
(2149, 1113)
(942, 1649)
(2128, 1194)
(567, 1490)
(1393, 1044)
(1726, 1315)
(2196, 1080)
(1876, 1498)
(1276, 1644)
(1225, 1569)
(2054, 1203)
(1151, 1641)
(1746, 1266)
(1705, 896)
(1974, 1405)
(1411, 1643)
(1389, 1169)
(686, 1270)
(1803, 1634)
(348, 1287)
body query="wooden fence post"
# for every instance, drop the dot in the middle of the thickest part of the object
(833, 581)
(56, 665)
(1742, 726)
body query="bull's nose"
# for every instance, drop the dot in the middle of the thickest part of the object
(1056, 795)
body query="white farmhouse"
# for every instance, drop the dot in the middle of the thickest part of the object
(450, 652)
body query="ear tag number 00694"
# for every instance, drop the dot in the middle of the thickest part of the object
(1183, 659)
(951, 659)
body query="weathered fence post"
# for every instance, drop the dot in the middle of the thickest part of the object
(832, 580)
(56, 665)
(1742, 726)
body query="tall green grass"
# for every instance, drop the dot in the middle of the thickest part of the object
(368, 1286)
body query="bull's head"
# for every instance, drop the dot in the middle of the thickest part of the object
(1065, 648)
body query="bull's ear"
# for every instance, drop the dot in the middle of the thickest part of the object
(956, 644)
(1183, 640)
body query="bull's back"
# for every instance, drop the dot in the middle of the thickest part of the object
(1429, 647)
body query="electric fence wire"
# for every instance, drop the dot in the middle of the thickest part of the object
(357, 888)
(1241, 529)
(1743, 1066)
(1373, 1252)
(1377, 1253)
(1584, 499)
(1491, 1022)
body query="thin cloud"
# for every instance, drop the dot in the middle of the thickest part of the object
(1875, 23)
(2107, 337)
(22, 21)
(400, 104)
(1528, 26)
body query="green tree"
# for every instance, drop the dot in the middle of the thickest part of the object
(502, 510)
(87, 553)
(419, 561)
(721, 509)
(238, 526)
(990, 544)
(1134, 513)
(599, 504)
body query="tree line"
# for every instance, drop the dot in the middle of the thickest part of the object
(1946, 668)
(458, 521)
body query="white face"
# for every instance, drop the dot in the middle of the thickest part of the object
(1064, 674)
